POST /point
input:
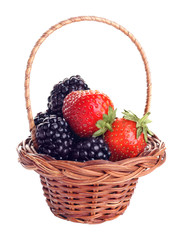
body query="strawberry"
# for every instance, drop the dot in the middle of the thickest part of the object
(128, 136)
(82, 109)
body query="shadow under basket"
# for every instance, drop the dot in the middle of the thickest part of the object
(97, 190)
(94, 191)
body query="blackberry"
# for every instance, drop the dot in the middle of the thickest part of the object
(90, 149)
(40, 117)
(54, 137)
(60, 90)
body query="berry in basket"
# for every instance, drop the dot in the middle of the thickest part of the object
(54, 137)
(82, 110)
(128, 135)
(60, 90)
(40, 117)
(90, 149)
(85, 112)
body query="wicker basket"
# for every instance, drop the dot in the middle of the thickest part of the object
(94, 191)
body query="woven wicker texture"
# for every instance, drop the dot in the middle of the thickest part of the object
(94, 191)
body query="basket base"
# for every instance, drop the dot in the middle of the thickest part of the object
(90, 204)
(91, 220)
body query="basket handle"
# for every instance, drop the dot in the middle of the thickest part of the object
(59, 25)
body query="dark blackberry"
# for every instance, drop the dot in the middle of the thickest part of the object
(54, 137)
(90, 149)
(60, 90)
(40, 117)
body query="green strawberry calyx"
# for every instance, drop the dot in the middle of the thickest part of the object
(106, 123)
(141, 123)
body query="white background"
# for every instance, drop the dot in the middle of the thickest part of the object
(109, 62)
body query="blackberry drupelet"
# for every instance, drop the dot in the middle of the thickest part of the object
(54, 137)
(90, 149)
(40, 117)
(60, 90)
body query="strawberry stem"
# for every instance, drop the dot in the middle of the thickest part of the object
(141, 123)
(108, 126)
(106, 123)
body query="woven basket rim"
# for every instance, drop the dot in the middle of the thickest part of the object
(96, 170)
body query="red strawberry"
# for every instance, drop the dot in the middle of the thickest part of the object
(82, 109)
(128, 137)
